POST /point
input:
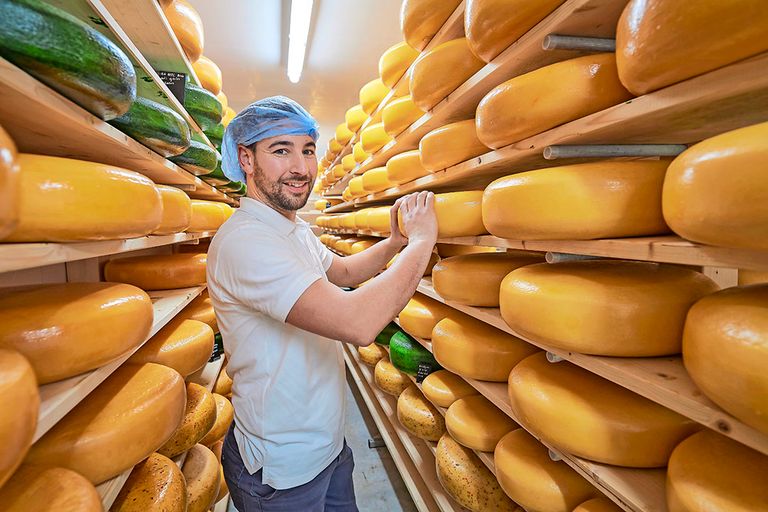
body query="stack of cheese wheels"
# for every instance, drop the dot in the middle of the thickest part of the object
(662, 42)
(591, 417)
(177, 211)
(362, 245)
(143, 403)
(85, 325)
(379, 219)
(359, 153)
(225, 414)
(747, 277)
(199, 418)
(158, 272)
(374, 137)
(209, 75)
(468, 480)
(355, 117)
(420, 20)
(709, 472)
(715, 192)
(422, 313)
(725, 353)
(361, 219)
(182, 344)
(443, 388)
(476, 423)
(49, 488)
(405, 167)
(418, 416)
(343, 134)
(492, 25)
(372, 354)
(450, 250)
(537, 101)
(475, 279)
(348, 163)
(376, 180)
(458, 214)
(395, 62)
(638, 308)
(371, 95)
(208, 215)
(202, 472)
(10, 184)
(439, 71)
(334, 148)
(64, 200)
(600, 504)
(399, 114)
(476, 350)
(187, 26)
(389, 379)
(223, 385)
(356, 187)
(449, 145)
(21, 401)
(581, 202)
(533, 480)
(155, 483)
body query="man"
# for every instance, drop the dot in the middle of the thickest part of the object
(276, 292)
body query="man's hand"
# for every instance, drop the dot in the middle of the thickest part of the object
(418, 217)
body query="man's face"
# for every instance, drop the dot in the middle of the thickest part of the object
(283, 170)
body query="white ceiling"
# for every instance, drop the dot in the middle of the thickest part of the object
(248, 40)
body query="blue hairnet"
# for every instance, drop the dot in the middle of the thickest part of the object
(261, 120)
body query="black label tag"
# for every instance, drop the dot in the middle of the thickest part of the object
(175, 82)
(424, 370)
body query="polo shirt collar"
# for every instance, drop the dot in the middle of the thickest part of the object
(268, 216)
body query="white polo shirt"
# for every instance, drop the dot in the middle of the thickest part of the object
(288, 384)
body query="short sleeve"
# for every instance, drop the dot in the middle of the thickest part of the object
(326, 256)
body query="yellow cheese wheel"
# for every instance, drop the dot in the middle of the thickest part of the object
(389, 379)
(223, 489)
(710, 473)
(374, 137)
(355, 117)
(474, 349)
(229, 115)
(725, 350)
(598, 505)
(223, 100)
(71, 328)
(439, 71)
(458, 214)
(379, 219)
(10, 184)
(395, 62)
(223, 385)
(338, 171)
(156, 484)
(443, 388)
(422, 313)
(405, 167)
(582, 201)
(225, 414)
(418, 416)
(20, 403)
(127, 417)
(475, 279)
(372, 354)
(358, 153)
(216, 449)
(207, 215)
(361, 219)
(635, 309)
(593, 418)
(747, 277)
(450, 250)
(399, 114)
(65, 200)
(362, 245)
(347, 221)
(201, 472)
(476, 423)
(343, 134)
(209, 74)
(334, 147)
(39, 489)
(533, 480)
(450, 145)
(177, 211)
(188, 27)
(662, 42)
(158, 272)
(403, 87)
(371, 95)
(715, 191)
(420, 20)
(199, 417)
(348, 162)
(537, 101)
(346, 195)
(356, 187)
(468, 480)
(376, 180)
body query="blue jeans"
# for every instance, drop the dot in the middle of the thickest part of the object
(331, 490)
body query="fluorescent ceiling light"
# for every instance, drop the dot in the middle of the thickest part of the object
(301, 15)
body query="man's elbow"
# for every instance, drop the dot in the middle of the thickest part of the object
(360, 336)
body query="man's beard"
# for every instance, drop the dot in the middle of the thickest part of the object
(274, 193)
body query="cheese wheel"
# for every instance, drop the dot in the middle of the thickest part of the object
(64, 200)
(725, 350)
(209, 74)
(389, 379)
(582, 202)
(158, 272)
(379, 219)
(372, 354)
(41, 489)
(229, 115)
(199, 417)
(355, 117)
(216, 448)
(358, 153)
(202, 472)
(450, 145)
(20, 404)
(439, 71)
(371, 95)
(537, 101)
(127, 417)
(223, 100)
(206, 216)
(10, 184)
(443, 388)
(475, 279)
(347, 221)
(346, 195)
(747, 277)
(177, 211)
(476, 423)
(71, 328)
(223, 489)
(395, 62)
(420, 20)
(598, 505)
(403, 87)
(376, 180)
(450, 250)
(399, 114)
(156, 484)
(636, 309)
(334, 147)
(356, 187)
(225, 414)
(187, 26)
(405, 167)
(348, 163)
(458, 214)
(422, 313)
(710, 473)
(533, 480)
(467, 480)
(715, 192)
(418, 416)
(361, 219)
(343, 134)
(338, 171)
(474, 349)
(662, 42)
(374, 137)
(362, 245)
(591, 417)
(223, 385)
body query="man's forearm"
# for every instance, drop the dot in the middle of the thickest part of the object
(364, 265)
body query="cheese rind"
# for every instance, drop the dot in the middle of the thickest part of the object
(177, 211)
(372, 354)
(158, 272)
(418, 416)
(420, 20)
(598, 505)
(225, 414)
(371, 95)
(201, 472)
(187, 26)
(49, 489)
(223, 385)
(343, 134)
(395, 62)
(399, 114)
(389, 379)
(209, 74)
(458, 214)
(476, 423)
(443, 388)
(405, 167)
(10, 184)
(199, 417)
(359, 154)
(156, 484)
(422, 313)
(20, 403)
(450, 145)
(207, 215)
(355, 117)
(374, 137)
(450, 250)
(376, 180)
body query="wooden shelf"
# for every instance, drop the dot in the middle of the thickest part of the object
(208, 374)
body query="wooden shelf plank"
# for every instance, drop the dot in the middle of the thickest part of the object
(58, 398)
(207, 375)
